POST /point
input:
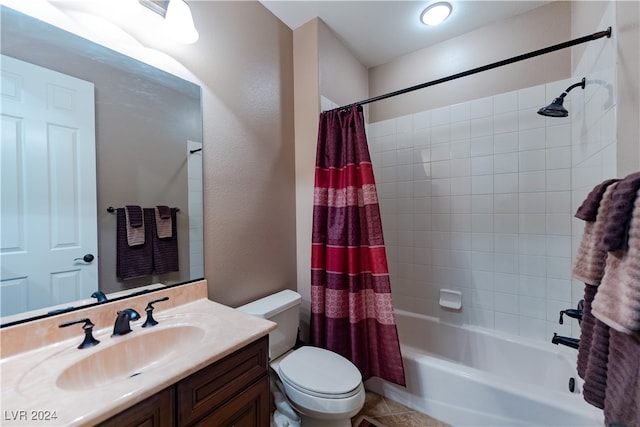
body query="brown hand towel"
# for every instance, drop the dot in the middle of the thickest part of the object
(165, 250)
(593, 352)
(617, 302)
(132, 261)
(163, 223)
(614, 236)
(588, 210)
(134, 225)
(164, 211)
(589, 264)
(622, 401)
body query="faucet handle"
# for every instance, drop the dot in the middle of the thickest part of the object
(89, 340)
(149, 309)
(571, 312)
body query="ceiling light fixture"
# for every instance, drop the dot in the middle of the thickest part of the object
(180, 22)
(435, 14)
(177, 17)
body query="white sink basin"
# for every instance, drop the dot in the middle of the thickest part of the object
(117, 359)
(130, 357)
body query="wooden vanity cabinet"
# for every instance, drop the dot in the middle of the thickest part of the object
(233, 391)
(156, 411)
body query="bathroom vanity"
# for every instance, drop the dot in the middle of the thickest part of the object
(203, 364)
(232, 391)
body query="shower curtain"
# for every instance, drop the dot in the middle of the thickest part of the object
(351, 306)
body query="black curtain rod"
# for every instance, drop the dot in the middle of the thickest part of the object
(591, 37)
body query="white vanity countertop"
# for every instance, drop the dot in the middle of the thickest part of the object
(32, 396)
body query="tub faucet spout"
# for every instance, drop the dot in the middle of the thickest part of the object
(569, 342)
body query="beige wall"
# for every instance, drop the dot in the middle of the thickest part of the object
(536, 29)
(323, 67)
(307, 107)
(343, 79)
(244, 61)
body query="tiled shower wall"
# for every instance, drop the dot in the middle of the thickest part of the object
(476, 197)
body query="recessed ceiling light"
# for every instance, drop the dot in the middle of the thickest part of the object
(436, 13)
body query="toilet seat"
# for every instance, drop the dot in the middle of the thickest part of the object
(321, 373)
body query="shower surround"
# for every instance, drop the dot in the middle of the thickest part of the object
(477, 197)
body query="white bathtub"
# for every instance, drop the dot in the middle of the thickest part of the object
(468, 376)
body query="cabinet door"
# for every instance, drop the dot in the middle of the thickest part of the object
(208, 389)
(249, 409)
(156, 411)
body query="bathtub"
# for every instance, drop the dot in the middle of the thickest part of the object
(470, 376)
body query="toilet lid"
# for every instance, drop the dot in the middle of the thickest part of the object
(320, 372)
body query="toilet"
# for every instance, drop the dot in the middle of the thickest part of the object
(324, 388)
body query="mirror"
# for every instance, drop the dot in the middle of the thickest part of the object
(148, 141)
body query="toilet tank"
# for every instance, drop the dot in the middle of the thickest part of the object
(282, 308)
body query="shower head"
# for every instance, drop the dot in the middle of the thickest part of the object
(556, 109)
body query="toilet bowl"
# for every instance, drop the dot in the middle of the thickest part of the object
(324, 388)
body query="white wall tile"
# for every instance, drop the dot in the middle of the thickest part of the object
(482, 184)
(440, 116)
(479, 196)
(534, 181)
(460, 185)
(460, 149)
(506, 183)
(481, 127)
(505, 102)
(482, 203)
(482, 165)
(532, 139)
(558, 158)
(506, 203)
(460, 112)
(532, 97)
(460, 130)
(508, 323)
(505, 122)
(533, 160)
(482, 146)
(532, 223)
(506, 223)
(440, 169)
(481, 108)
(532, 202)
(505, 163)
(506, 142)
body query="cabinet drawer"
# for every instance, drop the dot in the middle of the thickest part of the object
(249, 409)
(212, 386)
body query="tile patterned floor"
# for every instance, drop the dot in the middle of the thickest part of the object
(388, 413)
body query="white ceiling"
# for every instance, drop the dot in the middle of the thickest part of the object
(377, 32)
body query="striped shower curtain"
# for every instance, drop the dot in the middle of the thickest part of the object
(351, 306)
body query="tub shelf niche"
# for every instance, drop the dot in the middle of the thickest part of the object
(450, 299)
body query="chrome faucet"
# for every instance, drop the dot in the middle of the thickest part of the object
(122, 326)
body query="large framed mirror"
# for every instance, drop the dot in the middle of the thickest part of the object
(148, 142)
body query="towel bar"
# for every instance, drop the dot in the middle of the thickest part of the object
(111, 209)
